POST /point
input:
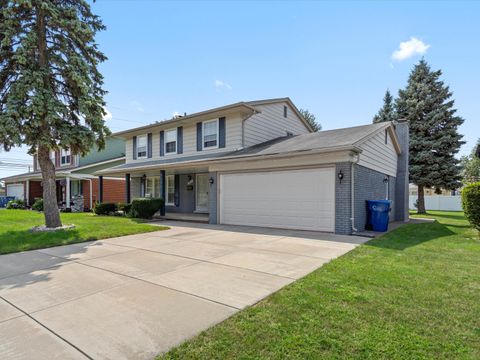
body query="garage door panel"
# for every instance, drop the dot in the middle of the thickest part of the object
(300, 199)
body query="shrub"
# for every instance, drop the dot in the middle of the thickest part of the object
(16, 204)
(471, 204)
(38, 204)
(104, 208)
(145, 208)
(125, 208)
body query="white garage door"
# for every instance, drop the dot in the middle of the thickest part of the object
(15, 190)
(299, 199)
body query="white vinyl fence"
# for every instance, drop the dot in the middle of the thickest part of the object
(439, 202)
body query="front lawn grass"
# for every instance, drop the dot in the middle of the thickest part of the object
(15, 224)
(411, 294)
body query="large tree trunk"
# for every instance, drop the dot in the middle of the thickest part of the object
(50, 208)
(421, 200)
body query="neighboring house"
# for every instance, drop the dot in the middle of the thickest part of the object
(259, 163)
(2, 189)
(77, 188)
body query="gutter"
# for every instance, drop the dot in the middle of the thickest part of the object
(230, 159)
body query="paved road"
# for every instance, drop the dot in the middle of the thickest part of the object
(135, 296)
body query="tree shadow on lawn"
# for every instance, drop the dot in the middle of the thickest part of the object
(410, 235)
(24, 240)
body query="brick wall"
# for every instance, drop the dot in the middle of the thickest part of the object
(113, 191)
(36, 191)
(343, 205)
(369, 185)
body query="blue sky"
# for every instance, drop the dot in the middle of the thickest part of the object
(332, 58)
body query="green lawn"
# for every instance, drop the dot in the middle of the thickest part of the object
(411, 294)
(15, 224)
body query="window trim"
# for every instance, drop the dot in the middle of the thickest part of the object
(167, 183)
(203, 134)
(62, 152)
(146, 146)
(165, 141)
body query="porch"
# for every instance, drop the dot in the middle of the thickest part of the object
(190, 217)
(189, 193)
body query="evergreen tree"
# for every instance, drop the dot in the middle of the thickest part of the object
(307, 115)
(387, 112)
(434, 139)
(51, 94)
(471, 165)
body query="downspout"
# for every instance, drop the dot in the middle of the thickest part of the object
(243, 126)
(355, 161)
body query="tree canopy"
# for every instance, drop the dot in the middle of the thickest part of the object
(311, 119)
(387, 111)
(51, 94)
(427, 104)
(471, 165)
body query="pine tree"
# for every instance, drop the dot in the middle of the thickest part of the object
(307, 115)
(51, 94)
(434, 139)
(387, 112)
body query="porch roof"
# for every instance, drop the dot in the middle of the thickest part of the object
(37, 175)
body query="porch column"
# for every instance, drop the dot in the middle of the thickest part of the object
(27, 192)
(127, 189)
(67, 192)
(100, 189)
(162, 191)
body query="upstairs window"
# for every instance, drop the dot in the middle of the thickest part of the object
(142, 146)
(171, 141)
(210, 134)
(65, 158)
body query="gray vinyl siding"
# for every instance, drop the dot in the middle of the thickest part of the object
(378, 156)
(233, 140)
(270, 124)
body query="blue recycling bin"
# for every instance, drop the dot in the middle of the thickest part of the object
(378, 214)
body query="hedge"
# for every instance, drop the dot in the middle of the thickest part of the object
(105, 208)
(471, 204)
(38, 204)
(145, 208)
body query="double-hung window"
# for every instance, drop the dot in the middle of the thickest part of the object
(171, 141)
(152, 187)
(210, 134)
(170, 190)
(65, 157)
(141, 146)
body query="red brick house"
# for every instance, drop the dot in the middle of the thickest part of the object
(77, 187)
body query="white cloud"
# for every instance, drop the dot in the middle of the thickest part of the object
(220, 84)
(137, 105)
(409, 48)
(108, 115)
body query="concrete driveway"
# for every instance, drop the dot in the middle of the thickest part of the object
(135, 296)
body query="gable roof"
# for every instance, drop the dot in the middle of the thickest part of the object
(327, 141)
(248, 106)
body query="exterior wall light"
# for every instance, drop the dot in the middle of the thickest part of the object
(211, 181)
(385, 179)
(340, 176)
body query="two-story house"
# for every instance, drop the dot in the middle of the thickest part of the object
(77, 188)
(259, 163)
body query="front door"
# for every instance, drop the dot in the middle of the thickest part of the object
(201, 193)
